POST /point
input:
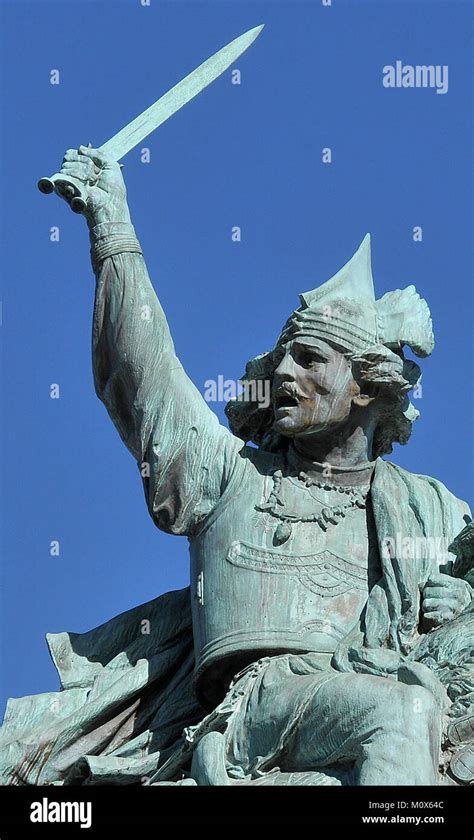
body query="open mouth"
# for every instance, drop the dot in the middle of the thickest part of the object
(285, 401)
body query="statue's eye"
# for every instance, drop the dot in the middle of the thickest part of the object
(308, 359)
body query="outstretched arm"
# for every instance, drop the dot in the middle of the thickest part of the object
(186, 458)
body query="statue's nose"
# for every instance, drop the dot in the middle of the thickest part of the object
(285, 369)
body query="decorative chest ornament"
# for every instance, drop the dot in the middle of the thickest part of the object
(351, 497)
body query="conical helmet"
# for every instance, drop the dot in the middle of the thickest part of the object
(344, 312)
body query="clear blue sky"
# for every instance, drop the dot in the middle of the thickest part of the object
(247, 155)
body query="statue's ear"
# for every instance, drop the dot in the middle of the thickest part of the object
(363, 400)
(360, 399)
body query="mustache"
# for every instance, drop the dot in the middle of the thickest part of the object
(288, 389)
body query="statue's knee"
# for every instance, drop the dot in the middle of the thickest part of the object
(407, 709)
(418, 707)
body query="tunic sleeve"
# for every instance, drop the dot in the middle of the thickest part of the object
(185, 456)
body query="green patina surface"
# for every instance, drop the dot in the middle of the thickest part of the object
(326, 636)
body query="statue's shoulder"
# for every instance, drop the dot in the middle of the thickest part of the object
(419, 486)
(263, 460)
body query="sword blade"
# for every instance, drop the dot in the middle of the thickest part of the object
(189, 87)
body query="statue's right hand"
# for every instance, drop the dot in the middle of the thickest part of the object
(103, 182)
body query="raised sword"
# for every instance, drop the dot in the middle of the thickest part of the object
(161, 110)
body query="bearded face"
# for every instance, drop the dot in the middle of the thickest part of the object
(312, 387)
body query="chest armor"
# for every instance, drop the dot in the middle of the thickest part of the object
(262, 584)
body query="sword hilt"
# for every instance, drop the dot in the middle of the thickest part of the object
(70, 188)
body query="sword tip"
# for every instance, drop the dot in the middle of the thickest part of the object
(253, 33)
